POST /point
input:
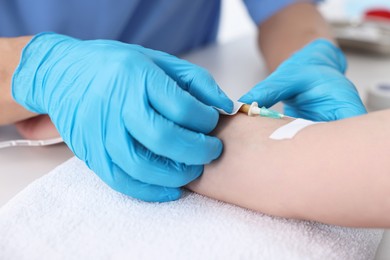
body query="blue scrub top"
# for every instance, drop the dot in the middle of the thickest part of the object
(173, 26)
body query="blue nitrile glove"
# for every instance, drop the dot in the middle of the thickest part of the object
(312, 85)
(139, 118)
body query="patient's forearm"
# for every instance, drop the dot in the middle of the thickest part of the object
(337, 173)
(10, 51)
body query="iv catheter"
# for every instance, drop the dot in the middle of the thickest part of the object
(23, 142)
(254, 109)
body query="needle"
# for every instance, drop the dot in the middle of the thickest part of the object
(254, 109)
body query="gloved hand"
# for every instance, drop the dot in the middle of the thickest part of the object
(312, 85)
(139, 118)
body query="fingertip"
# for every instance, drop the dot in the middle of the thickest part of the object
(217, 150)
(158, 194)
(247, 98)
(208, 151)
(164, 195)
(184, 175)
(227, 105)
(204, 87)
(213, 122)
(173, 194)
(197, 173)
(347, 113)
(342, 114)
(204, 151)
(219, 99)
(291, 112)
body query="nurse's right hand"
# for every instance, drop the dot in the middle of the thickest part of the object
(139, 118)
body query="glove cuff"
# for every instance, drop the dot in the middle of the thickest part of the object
(28, 82)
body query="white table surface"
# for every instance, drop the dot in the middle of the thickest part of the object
(235, 65)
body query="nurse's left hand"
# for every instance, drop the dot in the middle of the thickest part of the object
(312, 85)
(139, 118)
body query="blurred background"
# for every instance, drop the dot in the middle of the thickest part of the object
(331, 9)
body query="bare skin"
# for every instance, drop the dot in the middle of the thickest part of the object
(335, 173)
(10, 52)
(289, 30)
(281, 35)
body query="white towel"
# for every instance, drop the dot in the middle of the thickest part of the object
(71, 214)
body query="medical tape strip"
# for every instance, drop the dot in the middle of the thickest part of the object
(289, 130)
(236, 106)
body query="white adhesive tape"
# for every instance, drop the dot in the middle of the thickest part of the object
(378, 96)
(236, 106)
(289, 130)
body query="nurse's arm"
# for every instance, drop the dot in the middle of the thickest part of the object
(289, 30)
(10, 51)
(335, 173)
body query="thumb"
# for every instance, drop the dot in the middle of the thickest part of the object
(349, 112)
(269, 92)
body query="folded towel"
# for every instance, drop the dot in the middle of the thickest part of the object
(71, 214)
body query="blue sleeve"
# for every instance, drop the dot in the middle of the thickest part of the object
(261, 10)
